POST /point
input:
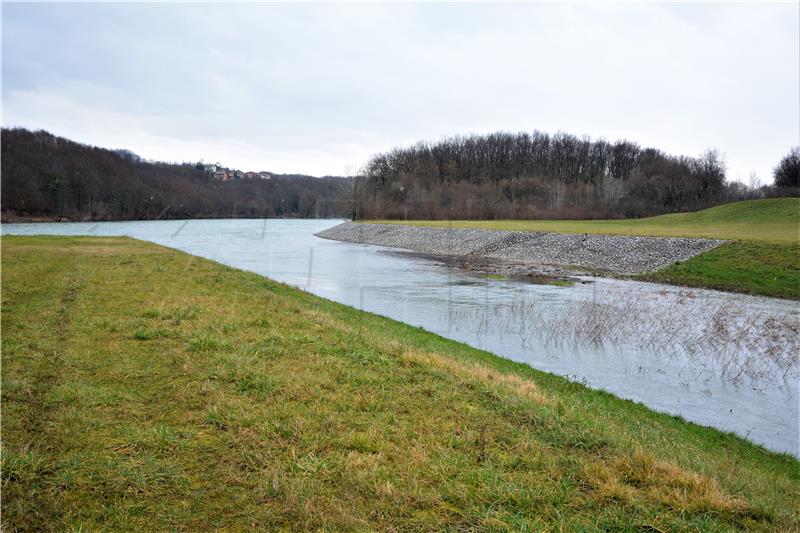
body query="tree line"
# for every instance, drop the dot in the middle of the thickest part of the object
(49, 177)
(538, 175)
(500, 175)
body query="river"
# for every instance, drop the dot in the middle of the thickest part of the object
(718, 359)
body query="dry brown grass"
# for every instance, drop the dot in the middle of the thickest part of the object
(478, 373)
(637, 476)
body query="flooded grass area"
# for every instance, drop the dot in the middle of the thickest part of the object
(724, 360)
(726, 335)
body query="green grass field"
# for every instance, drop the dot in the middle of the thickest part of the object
(764, 257)
(147, 389)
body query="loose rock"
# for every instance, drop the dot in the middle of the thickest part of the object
(614, 254)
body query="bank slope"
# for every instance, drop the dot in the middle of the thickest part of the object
(148, 389)
(763, 259)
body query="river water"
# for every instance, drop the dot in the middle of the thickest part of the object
(718, 359)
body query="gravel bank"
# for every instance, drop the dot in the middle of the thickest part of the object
(614, 254)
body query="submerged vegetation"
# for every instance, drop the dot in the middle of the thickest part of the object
(727, 338)
(764, 257)
(148, 389)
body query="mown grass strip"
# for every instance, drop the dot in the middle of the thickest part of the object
(189, 395)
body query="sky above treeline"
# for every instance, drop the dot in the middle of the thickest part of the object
(319, 88)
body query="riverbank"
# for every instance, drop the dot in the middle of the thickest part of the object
(144, 388)
(569, 253)
(762, 257)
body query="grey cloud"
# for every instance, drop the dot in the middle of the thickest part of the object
(318, 88)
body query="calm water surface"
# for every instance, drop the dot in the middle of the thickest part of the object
(722, 360)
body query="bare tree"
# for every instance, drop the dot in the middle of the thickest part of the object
(355, 193)
(754, 184)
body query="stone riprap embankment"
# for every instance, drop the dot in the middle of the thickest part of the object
(615, 254)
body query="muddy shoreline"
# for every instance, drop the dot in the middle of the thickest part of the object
(487, 267)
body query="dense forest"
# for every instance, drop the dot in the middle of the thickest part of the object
(49, 177)
(522, 175)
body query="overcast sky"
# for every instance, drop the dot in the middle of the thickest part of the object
(317, 89)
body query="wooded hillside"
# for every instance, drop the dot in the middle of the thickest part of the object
(52, 177)
(522, 175)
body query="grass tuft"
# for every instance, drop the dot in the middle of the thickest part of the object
(204, 341)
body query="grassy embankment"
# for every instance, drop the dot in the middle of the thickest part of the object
(764, 257)
(147, 389)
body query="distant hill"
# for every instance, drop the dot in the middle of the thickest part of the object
(540, 176)
(50, 177)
